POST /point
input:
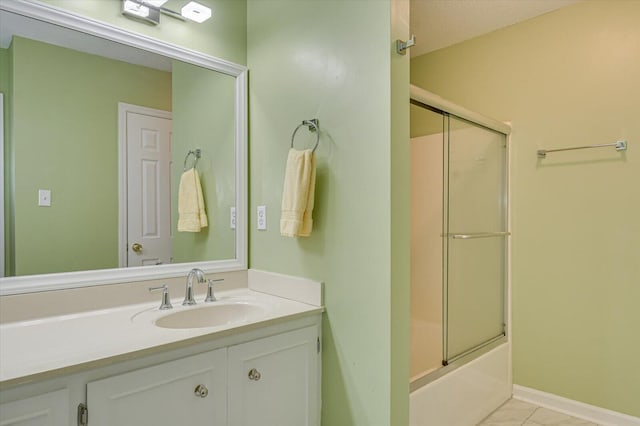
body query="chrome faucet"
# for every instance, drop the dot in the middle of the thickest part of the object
(188, 297)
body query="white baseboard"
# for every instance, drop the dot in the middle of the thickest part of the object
(599, 415)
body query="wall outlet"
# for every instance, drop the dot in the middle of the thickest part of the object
(232, 218)
(44, 197)
(262, 218)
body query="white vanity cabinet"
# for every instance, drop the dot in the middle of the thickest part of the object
(267, 376)
(192, 390)
(275, 381)
(48, 409)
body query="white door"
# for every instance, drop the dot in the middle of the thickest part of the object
(148, 141)
(188, 391)
(275, 381)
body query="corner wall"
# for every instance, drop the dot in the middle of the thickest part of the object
(567, 78)
(331, 60)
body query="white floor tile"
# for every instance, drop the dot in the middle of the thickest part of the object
(520, 413)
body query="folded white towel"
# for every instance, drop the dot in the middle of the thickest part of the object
(298, 194)
(192, 216)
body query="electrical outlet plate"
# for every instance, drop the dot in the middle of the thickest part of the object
(262, 218)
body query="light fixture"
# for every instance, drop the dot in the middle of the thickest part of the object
(196, 12)
(149, 11)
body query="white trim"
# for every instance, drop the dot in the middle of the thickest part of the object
(46, 282)
(123, 208)
(601, 416)
(431, 99)
(2, 247)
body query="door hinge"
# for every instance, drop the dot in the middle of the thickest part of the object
(318, 344)
(83, 415)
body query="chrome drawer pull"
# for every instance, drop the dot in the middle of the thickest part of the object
(201, 391)
(254, 374)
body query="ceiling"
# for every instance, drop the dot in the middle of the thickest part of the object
(441, 23)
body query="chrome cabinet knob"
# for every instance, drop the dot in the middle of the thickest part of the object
(201, 391)
(136, 247)
(254, 374)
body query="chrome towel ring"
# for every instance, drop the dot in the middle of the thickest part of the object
(196, 153)
(314, 126)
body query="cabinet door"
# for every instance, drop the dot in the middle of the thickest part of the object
(163, 395)
(275, 381)
(49, 409)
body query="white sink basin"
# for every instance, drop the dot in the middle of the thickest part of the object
(211, 315)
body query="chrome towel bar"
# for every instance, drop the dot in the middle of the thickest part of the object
(473, 235)
(620, 146)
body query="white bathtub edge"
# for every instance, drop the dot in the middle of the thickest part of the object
(466, 395)
(574, 408)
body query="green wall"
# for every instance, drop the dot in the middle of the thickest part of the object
(567, 78)
(204, 117)
(72, 151)
(223, 36)
(331, 60)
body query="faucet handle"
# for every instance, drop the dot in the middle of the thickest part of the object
(166, 302)
(210, 296)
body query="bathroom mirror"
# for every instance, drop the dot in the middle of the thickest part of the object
(101, 125)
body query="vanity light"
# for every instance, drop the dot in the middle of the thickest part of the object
(149, 11)
(196, 12)
(134, 8)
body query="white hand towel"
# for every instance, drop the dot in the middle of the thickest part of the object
(192, 216)
(298, 194)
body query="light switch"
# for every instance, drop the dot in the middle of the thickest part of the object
(232, 218)
(262, 218)
(44, 197)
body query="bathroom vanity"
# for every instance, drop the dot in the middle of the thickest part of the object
(257, 364)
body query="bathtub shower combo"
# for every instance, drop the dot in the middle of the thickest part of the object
(460, 349)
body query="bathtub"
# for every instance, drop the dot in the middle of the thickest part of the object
(463, 395)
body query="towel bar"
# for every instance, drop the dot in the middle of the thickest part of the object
(314, 126)
(619, 145)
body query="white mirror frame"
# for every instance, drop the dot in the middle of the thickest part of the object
(58, 281)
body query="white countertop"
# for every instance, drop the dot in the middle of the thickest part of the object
(40, 346)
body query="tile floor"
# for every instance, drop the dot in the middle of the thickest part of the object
(520, 413)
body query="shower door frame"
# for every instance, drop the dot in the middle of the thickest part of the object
(426, 99)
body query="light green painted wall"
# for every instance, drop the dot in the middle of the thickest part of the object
(65, 138)
(331, 60)
(204, 117)
(567, 78)
(223, 36)
(400, 218)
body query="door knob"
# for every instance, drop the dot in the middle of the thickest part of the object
(137, 247)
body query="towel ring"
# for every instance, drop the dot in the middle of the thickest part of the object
(196, 153)
(314, 126)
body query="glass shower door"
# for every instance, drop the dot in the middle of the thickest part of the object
(475, 234)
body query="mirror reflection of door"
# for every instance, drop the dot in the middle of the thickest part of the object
(148, 186)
